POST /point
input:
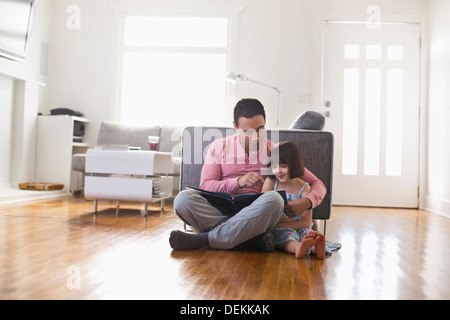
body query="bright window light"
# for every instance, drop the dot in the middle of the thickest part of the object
(173, 88)
(395, 52)
(173, 70)
(351, 120)
(372, 122)
(394, 122)
(351, 51)
(373, 52)
(144, 31)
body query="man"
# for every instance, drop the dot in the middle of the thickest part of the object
(236, 164)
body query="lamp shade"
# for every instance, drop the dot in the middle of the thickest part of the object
(234, 77)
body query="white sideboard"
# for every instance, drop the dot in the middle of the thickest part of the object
(128, 175)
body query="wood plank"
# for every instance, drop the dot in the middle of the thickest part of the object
(386, 254)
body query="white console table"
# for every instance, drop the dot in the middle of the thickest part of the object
(123, 175)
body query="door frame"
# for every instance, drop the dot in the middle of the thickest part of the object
(317, 96)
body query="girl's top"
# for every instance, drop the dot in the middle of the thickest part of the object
(292, 196)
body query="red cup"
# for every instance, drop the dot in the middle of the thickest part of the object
(153, 142)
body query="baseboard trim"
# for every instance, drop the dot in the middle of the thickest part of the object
(438, 206)
(11, 195)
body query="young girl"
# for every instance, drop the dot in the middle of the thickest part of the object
(294, 235)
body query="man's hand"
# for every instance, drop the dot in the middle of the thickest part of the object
(296, 207)
(250, 179)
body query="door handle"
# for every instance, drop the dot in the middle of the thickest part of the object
(327, 112)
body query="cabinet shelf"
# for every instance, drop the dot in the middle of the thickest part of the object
(80, 144)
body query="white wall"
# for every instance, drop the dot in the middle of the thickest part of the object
(6, 107)
(275, 46)
(40, 34)
(277, 41)
(82, 71)
(22, 94)
(438, 140)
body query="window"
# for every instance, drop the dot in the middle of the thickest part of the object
(173, 70)
(350, 125)
(372, 129)
(351, 51)
(379, 90)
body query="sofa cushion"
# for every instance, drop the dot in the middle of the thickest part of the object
(309, 120)
(137, 136)
(119, 133)
(170, 140)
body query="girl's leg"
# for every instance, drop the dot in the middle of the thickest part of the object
(291, 246)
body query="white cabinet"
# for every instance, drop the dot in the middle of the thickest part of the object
(55, 147)
(128, 176)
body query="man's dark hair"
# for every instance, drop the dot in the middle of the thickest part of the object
(248, 108)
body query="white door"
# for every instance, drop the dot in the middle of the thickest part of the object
(370, 91)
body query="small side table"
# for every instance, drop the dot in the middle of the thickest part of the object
(125, 175)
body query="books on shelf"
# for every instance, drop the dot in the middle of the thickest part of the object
(233, 204)
(157, 191)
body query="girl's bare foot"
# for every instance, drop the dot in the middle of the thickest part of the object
(320, 244)
(311, 234)
(303, 247)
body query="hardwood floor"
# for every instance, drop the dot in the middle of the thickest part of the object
(55, 250)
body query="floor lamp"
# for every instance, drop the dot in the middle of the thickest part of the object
(234, 77)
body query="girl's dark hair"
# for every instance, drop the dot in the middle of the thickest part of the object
(248, 108)
(287, 152)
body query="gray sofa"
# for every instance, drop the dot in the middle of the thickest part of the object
(117, 133)
(316, 148)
